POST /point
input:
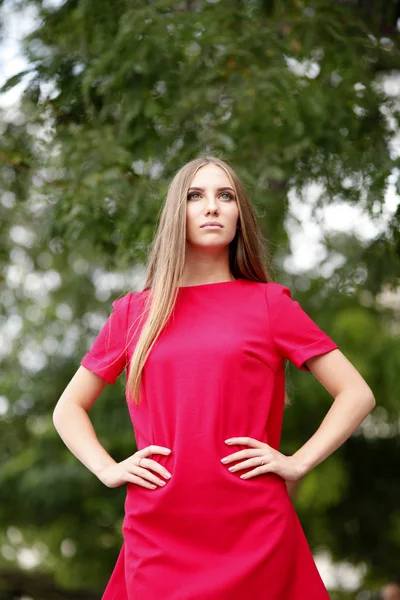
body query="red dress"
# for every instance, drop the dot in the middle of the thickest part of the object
(216, 372)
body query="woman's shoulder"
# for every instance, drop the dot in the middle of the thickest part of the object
(272, 289)
(128, 302)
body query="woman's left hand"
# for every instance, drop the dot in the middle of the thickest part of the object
(264, 458)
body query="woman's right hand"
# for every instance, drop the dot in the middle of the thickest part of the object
(130, 471)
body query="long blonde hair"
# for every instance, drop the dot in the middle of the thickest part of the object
(248, 257)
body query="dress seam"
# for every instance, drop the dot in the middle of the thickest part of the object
(128, 310)
(270, 322)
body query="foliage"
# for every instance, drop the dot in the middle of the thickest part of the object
(118, 96)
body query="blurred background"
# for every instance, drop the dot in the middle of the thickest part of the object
(100, 103)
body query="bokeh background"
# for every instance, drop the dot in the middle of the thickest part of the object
(101, 102)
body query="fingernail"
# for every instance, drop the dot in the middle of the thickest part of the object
(167, 475)
(228, 441)
(162, 482)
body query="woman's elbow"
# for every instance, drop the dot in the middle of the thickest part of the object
(372, 401)
(61, 410)
(369, 400)
(57, 416)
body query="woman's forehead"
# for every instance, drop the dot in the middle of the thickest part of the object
(210, 176)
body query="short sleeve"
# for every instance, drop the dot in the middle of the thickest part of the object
(296, 336)
(107, 356)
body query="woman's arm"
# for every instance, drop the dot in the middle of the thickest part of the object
(353, 401)
(72, 422)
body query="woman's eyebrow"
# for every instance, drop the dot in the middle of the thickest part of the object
(220, 189)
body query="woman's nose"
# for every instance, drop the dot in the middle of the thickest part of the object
(211, 203)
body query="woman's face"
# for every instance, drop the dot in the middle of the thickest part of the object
(211, 198)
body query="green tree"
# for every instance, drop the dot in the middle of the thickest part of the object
(119, 95)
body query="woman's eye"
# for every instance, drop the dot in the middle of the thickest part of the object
(229, 196)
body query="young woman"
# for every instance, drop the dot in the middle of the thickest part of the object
(204, 344)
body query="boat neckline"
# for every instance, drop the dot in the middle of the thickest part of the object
(184, 287)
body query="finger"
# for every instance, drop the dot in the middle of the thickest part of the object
(258, 471)
(248, 441)
(130, 478)
(148, 475)
(240, 454)
(148, 463)
(153, 450)
(252, 462)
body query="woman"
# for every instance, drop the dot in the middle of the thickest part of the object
(207, 511)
